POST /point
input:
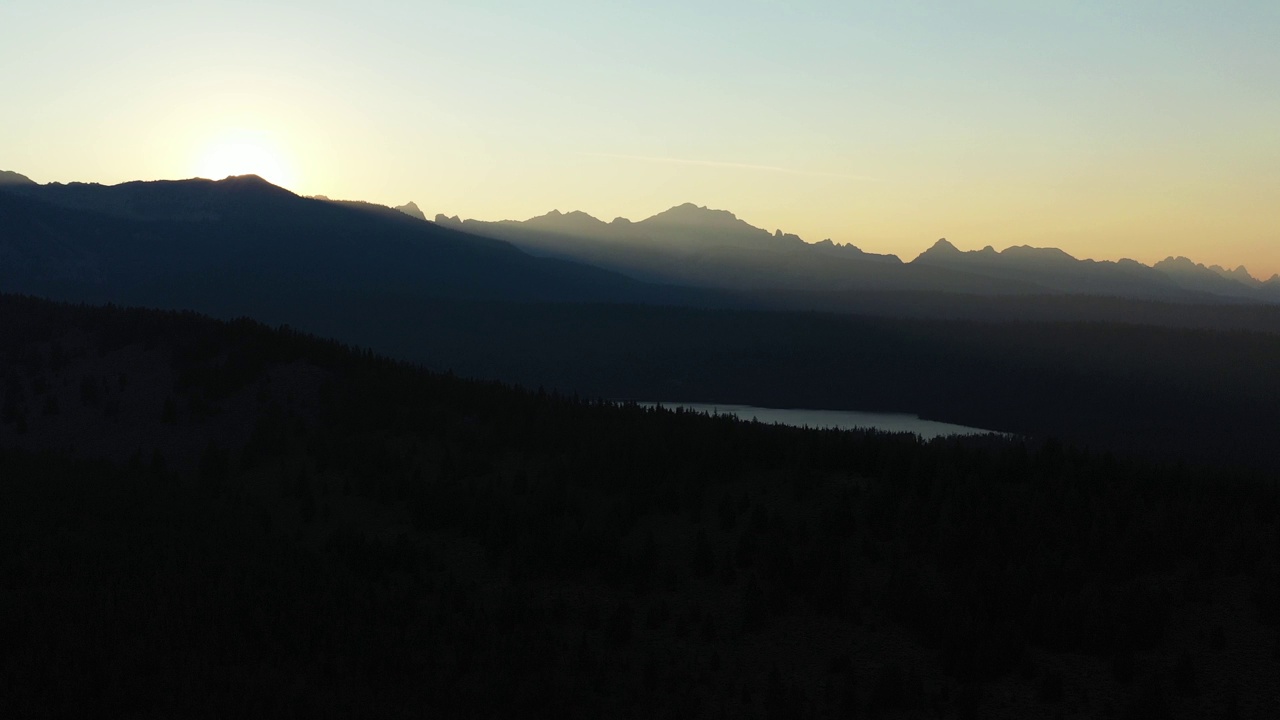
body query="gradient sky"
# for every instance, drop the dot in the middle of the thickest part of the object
(1110, 129)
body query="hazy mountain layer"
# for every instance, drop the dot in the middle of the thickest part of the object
(693, 245)
(1170, 279)
(696, 245)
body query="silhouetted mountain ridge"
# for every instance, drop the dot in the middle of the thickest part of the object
(242, 246)
(1240, 274)
(849, 249)
(1195, 276)
(697, 245)
(1058, 271)
(690, 215)
(8, 177)
(196, 199)
(691, 244)
(571, 223)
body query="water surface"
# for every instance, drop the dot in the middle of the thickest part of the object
(840, 419)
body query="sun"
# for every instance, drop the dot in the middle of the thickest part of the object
(244, 152)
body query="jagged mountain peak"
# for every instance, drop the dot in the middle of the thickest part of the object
(412, 210)
(940, 249)
(850, 250)
(700, 215)
(1240, 274)
(1180, 264)
(944, 251)
(1027, 252)
(573, 221)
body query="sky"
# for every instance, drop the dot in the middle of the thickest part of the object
(1137, 129)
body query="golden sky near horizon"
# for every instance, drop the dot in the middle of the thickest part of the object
(1139, 131)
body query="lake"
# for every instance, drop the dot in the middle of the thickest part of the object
(841, 419)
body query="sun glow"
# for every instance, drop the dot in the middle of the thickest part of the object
(244, 152)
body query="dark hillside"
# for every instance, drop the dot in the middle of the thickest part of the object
(205, 518)
(1190, 394)
(1028, 308)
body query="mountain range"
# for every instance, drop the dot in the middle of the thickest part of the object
(891, 336)
(694, 245)
(83, 237)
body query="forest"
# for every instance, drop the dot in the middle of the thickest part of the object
(202, 518)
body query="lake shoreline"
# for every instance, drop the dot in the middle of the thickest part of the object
(828, 419)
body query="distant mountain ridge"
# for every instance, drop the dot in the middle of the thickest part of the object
(696, 245)
(1055, 269)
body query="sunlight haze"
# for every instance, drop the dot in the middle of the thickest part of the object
(1142, 130)
(242, 152)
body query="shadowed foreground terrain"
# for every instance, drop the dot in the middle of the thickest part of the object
(221, 519)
